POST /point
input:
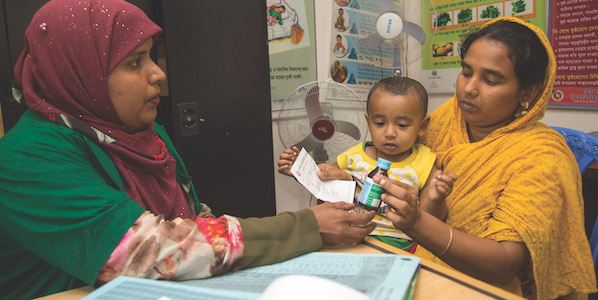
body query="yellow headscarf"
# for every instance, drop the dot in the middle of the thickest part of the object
(521, 183)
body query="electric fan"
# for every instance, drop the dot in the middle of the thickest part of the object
(324, 117)
(386, 33)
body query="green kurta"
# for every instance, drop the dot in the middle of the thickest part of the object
(63, 210)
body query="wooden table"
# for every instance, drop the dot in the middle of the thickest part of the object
(434, 281)
(74, 294)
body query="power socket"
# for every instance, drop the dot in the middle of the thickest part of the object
(188, 118)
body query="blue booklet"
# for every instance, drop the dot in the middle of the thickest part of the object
(379, 276)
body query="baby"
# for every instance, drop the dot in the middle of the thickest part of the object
(396, 116)
(339, 48)
(340, 21)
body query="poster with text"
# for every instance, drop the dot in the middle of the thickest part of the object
(451, 20)
(351, 63)
(291, 46)
(574, 38)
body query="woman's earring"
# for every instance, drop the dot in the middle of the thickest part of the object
(524, 111)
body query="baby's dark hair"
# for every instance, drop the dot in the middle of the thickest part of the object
(401, 86)
(526, 51)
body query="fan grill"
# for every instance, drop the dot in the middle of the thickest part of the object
(390, 53)
(333, 103)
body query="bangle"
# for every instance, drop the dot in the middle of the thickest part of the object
(449, 242)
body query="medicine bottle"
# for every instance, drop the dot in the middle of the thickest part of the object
(370, 196)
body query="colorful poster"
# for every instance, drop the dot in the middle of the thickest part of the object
(351, 63)
(448, 20)
(574, 38)
(291, 45)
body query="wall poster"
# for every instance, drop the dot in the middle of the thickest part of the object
(451, 20)
(574, 38)
(352, 64)
(291, 46)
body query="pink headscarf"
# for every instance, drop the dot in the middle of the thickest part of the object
(70, 48)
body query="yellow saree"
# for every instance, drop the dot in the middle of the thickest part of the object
(521, 184)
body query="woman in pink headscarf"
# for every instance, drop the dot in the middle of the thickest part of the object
(91, 188)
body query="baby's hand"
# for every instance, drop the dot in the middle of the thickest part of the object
(328, 172)
(441, 186)
(286, 160)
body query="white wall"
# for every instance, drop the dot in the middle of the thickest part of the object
(291, 196)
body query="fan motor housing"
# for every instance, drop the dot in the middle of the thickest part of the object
(323, 128)
(389, 25)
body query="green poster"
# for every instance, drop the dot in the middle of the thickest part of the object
(449, 20)
(291, 44)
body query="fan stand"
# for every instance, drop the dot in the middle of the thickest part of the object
(320, 155)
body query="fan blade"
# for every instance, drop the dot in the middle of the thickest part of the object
(373, 41)
(415, 31)
(348, 128)
(309, 143)
(385, 6)
(312, 104)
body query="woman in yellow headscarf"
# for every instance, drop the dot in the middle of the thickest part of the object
(516, 212)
